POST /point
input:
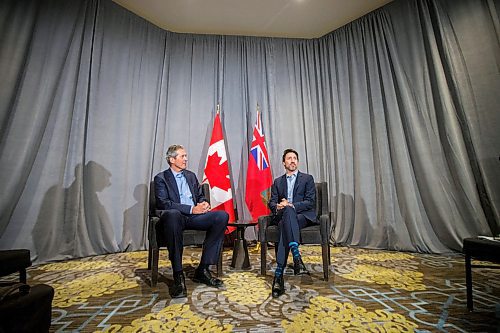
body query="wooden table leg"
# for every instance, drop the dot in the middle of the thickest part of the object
(241, 259)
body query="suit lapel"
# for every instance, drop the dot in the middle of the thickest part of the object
(170, 179)
(282, 187)
(296, 185)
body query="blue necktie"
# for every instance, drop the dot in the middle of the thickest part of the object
(290, 188)
(184, 192)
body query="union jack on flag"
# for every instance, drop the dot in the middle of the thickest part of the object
(258, 149)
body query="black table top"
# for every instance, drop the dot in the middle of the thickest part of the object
(481, 248)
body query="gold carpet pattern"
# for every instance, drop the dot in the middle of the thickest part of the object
(368, 291)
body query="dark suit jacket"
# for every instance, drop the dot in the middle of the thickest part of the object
(304, 195)
(167, 194)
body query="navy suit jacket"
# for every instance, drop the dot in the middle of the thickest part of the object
(167, 194)
(304, 195)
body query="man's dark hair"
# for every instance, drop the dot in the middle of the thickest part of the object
(289, 150)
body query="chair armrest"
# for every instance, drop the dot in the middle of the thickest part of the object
(264, 222)
(324, 225)
(153, 221)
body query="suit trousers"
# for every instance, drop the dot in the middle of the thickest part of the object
(289, 227)
(174, 223)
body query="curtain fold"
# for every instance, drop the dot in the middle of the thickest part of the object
(397, 111)
(42, 137)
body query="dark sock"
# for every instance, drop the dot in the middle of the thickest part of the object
(176, 274)
(294, 248)
(279, 271)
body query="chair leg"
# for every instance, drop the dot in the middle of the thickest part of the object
(150, 257)
(329, 255)
(219, 264)
(468, 282)
(22, 275)
(263, 258)
(325, 252)
(154, 266)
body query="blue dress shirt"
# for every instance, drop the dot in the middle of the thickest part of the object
(184, 192)
(290, 179)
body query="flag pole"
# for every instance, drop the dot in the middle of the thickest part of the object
(257, 246)
(218, 108)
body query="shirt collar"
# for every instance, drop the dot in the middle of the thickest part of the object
(175, 173)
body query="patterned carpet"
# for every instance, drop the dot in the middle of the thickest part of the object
(370, 291)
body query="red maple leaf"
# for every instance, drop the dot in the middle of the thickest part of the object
(216, 173)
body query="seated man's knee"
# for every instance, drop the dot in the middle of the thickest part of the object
(171, 213)
(172, 217)
(219, 220)
(288, 210)
(225, 217)
(222, 217)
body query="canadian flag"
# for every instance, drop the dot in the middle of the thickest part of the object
(216, 173)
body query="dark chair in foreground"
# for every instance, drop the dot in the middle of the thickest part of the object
(12, 261)
(155, 239)
(23, 308)
(314, 234)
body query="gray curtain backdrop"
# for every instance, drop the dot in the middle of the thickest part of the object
(397, 111)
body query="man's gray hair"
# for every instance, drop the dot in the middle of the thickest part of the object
(172, 152)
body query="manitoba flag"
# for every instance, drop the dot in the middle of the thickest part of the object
(216, 173)
(259, 177)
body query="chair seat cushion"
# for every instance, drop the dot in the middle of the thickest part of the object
(308, 235)
(12, 261)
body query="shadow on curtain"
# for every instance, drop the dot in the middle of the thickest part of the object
(397, 111)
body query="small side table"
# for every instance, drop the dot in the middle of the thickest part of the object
(480, 249)
(241, 259)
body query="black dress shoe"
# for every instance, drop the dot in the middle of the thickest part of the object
(204, 276)
(298, 267)
(179, 288)
(278, 286)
